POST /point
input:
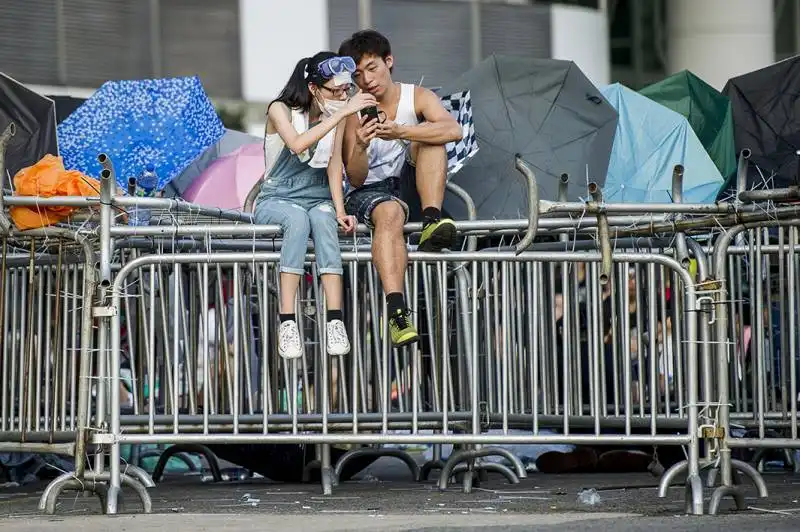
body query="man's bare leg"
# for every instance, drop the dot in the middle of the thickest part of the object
(388, 245)
(390, 258)
(431, 168)
(431, 178)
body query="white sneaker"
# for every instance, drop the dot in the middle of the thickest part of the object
(337, 341)
(289, 343)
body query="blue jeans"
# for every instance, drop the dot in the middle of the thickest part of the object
(302, 206)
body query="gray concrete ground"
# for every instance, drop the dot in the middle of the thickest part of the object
(385, 499)
(567, 522)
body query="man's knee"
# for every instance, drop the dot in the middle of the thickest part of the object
(389, 215)
(428, 152)
(434, 151)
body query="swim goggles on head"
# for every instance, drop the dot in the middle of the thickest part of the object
(335, 66)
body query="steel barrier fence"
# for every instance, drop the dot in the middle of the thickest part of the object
(624, 326)
(478, 384)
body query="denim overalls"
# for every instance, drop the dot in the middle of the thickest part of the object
(297, 197)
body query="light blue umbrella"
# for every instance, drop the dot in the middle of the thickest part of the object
(165, 122)
(650, 140)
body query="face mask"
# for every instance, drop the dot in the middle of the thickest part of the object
(332, 106)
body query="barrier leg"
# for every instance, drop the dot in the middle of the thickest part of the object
(478, 467)
(670, 475)
(326, 475)
(95, 483)
(711, 478)
(311, 466)
(178, 450)
(139, 474)
(693, 485)
(460, 456)
(760, 459)
(716, 498)
(377, 452)
(694, 495)
(435, 463)
(67, 481)
(755, 476)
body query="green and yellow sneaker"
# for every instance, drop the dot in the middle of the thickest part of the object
(438, 236)
(402, 330)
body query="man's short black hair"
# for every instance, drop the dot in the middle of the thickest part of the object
(366, 42)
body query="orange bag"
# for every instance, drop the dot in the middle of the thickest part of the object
(48, 178)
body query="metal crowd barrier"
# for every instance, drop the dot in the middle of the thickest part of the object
(615, 325)
(42, 340)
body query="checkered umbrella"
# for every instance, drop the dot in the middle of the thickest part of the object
(459, 105)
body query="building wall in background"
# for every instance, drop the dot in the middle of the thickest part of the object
(269, 43)
(82, 43)
(243, 50)
(697, 31)
(433, 41)
(591, 51)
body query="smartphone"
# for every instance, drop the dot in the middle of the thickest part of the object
(371, 112)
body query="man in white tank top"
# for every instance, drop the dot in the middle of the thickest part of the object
(408, 137)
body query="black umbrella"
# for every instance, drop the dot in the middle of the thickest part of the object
(65, 105)
(547, 111)
(35, 120)
(766, 121)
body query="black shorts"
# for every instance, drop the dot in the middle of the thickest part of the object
(363, 200)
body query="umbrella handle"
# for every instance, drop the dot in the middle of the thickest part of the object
(533, 204)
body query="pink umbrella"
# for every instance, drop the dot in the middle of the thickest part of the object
(227, 181)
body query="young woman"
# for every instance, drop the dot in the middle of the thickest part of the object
(303, 188)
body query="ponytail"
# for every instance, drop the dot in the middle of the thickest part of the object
(295, 95)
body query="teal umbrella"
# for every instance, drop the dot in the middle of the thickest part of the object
(707, 110)
(650, 140)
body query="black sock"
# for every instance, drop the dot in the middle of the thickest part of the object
(394, 302)
(334, 315)
(286, 317)
(431, 215)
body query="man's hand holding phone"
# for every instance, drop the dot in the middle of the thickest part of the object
(370, 112)
(367, 131)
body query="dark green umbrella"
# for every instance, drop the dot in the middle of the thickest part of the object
(707, 110)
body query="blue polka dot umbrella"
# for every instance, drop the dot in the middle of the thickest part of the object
(164, 122)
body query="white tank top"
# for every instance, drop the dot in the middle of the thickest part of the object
(386, 157)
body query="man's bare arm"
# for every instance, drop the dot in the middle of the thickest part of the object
(439, 126)
(354, 152)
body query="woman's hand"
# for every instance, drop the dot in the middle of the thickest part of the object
(346, 222)
(360, 101)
